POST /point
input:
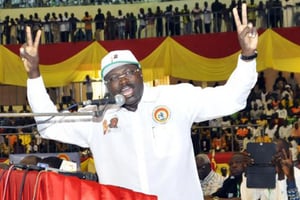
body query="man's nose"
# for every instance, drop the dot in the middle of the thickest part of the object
(123, 79)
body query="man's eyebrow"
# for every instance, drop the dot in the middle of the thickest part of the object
(125, 69)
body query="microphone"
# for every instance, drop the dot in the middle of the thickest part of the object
(118, 100)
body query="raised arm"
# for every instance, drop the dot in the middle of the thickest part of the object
(287, 166)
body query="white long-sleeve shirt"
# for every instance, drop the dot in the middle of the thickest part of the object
(149, 150)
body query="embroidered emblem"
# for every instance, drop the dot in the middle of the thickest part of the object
(114, 57)
(113, 123)
(161, 114)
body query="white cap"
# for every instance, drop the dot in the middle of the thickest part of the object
(116, 59)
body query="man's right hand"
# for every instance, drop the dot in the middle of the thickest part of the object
(287, 165)
(30, 54)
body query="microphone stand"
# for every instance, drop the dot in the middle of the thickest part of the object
(99, 112)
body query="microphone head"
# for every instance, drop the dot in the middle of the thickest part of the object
(120, 100)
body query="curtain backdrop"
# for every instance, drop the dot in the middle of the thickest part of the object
(202, 57)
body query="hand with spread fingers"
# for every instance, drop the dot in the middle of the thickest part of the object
(286, 163)
(30, 55)
(247, 33)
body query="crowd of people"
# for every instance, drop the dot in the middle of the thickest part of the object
(235, 185)
(269, 115)
(19, 135)
(151, 131)
(148, 22)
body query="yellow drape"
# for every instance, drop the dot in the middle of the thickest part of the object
(168, 59)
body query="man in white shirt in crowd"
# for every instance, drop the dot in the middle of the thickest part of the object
(210, 180)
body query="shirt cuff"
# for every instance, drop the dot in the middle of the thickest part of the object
(291, 184)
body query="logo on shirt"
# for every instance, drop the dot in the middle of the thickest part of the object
(161, 114)
(112, 123)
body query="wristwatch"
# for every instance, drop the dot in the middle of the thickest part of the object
(248, 58)
(215, 198)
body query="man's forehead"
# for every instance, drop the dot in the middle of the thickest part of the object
(122, 68)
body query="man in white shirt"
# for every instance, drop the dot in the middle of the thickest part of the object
(150, 150)
(210, 180)
(285, 130)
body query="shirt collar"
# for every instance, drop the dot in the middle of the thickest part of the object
(208, 177)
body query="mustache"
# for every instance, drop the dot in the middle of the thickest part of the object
(128, 85)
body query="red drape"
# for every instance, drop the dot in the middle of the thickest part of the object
(214, 45)
(50, 185)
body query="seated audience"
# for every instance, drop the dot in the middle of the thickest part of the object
(295, 132)
(205, 141)
(284, 130)
(219, 142)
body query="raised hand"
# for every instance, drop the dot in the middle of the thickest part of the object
(30, 55)
(247, 33)
(286, 163)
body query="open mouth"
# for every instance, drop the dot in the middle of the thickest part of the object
(127, 91)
